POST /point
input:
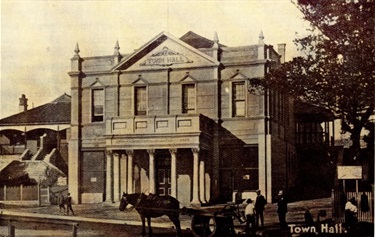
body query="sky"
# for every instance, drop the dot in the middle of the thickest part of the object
(38, 38)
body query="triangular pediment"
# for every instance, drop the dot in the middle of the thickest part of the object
(239, 76)
(188, 78)
(165, 51)
(97, 83)
(140, 81)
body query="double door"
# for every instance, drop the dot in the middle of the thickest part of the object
(163, 175)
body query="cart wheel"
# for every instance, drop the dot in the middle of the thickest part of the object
(203, 226)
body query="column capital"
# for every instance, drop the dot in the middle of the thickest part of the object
(116, 154)
(173, 151)
(151, 151)
(129, 152)
(109, 152)
(195, 150)
(123, 156)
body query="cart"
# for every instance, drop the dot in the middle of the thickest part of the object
(206, 223)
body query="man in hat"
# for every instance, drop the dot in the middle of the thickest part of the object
(61, 202)
(260, 203)
(282, 209)
(69, 204)
(250, 218)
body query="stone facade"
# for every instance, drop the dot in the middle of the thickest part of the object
(176, 117)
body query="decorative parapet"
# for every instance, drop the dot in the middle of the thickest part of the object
(173, 124)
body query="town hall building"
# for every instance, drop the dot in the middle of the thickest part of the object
(178, 116)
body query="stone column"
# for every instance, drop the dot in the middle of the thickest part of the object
(123, 173)
(173, 172)
(130, 170)
(152, 185)
(195, 177)
(108, 192)
(202, 185)
(116, 177)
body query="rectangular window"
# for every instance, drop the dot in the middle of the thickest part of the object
(188, 99)
(238, 94)
(97, 105)
(140, 101)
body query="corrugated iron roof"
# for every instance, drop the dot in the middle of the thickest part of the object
(197, 41)
(29, 173)
(55, 112)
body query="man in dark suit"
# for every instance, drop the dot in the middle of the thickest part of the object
(69, 204)
(282, 209)
(260, 203)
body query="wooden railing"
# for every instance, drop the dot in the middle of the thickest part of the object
(11, 219)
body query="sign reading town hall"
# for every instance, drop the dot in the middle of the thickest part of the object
(165, 57)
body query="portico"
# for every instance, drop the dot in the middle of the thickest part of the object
(153, 162)
(120, 163)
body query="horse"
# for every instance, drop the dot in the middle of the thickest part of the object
(152, 205)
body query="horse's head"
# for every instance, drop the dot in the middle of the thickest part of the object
(124, 202)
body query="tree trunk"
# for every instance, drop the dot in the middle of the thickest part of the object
(356, 146)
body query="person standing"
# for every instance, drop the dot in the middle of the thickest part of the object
(250, 217)
(69, 204)
(350, 213)
(282, 209)
(61, 202)
(260, 203)
(364, 203)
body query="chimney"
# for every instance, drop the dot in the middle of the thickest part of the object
(281, 52)
(23, 103)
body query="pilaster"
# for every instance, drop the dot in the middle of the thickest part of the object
(74, 149)
(108, 183)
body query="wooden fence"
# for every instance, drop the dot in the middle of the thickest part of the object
(340, 199)
(22, 193)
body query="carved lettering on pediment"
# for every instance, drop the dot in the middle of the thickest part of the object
(165, 57)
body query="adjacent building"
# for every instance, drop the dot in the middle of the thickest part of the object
(34, 151)
(178, 116)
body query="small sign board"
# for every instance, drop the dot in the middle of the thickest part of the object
(349, 172)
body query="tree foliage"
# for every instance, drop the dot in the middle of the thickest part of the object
(337, 69)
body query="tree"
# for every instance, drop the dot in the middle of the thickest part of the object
(337, 69)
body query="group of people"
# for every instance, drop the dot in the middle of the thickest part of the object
(254, 212)
(62, 201)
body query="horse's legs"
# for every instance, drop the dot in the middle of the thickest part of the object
(149, 226)
(143, 225)
(176, 222)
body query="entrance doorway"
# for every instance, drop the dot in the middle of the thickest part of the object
(227, 185)
(163, 175)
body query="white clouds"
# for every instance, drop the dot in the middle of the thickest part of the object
(38, 37)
